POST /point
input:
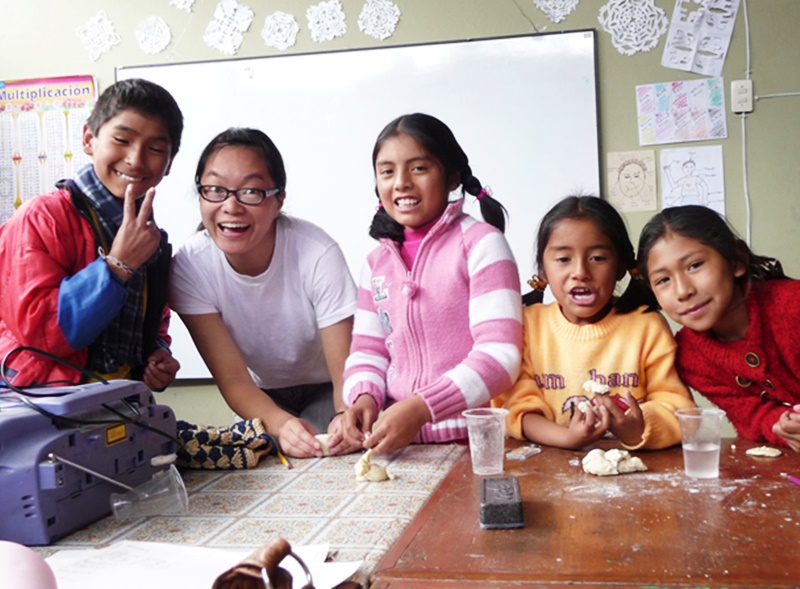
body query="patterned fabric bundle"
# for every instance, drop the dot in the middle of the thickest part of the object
(235, 447)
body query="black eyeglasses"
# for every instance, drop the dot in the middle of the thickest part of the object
(246, 196)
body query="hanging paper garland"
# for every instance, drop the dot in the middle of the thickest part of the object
(153, 35)
(634, 25)
(379, 18)
(182, 4)
(226, 32)
(280, 30)
(326, 20)
(556, 10)
(98, 35)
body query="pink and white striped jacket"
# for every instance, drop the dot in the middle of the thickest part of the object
(448, 330)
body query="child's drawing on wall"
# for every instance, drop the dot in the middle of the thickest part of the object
(632, 180)
(693, 177)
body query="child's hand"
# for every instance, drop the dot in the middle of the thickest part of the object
(585, 428)
(296, 438)
(138, 237)
(337, 444)
(398, 425)
(628, 425)
(788, 428)
(358, 421)
(160, 370)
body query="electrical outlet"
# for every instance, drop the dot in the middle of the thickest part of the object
(742, 96)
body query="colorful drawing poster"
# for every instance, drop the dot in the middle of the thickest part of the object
(675, 112)
(41, 128)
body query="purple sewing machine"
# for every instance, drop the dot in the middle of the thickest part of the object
(113, 429)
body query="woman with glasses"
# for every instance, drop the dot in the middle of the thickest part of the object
(267, 298)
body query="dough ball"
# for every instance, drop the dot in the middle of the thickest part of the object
(631, 464)
(323, 441)
(764, 451)
(592, 386)
(369, 472)
(612, 462)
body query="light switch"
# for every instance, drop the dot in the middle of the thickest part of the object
(742, 96)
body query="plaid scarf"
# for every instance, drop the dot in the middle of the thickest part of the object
(120, 343)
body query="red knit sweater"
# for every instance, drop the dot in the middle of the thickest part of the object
(732, 375)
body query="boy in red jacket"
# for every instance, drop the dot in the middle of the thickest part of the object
(83, 269)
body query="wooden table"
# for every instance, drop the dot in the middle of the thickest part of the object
(654, 529)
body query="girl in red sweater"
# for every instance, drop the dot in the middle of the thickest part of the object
(740, 315)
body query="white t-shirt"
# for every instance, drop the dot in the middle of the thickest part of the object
(275, 317)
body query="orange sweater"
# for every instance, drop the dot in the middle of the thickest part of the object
(633, 352)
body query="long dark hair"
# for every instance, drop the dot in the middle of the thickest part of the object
(254, 139)
(437, 139)
(712, 230)
(611, 224)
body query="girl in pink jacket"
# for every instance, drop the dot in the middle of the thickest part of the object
(438, 325)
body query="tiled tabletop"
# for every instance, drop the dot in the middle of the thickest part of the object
(316, 502)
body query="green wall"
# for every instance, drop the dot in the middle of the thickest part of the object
(41, 41)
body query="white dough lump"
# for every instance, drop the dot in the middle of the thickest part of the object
(605, 463)
(765, 451)
(367, 471)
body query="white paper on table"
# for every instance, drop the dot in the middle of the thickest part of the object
(132, 565)
(325, 574)
(129, 565)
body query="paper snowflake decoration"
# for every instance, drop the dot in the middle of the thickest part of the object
(378, 18)
(280, 30)
(182, 4)
(326, 20)
(226, 32)
(556, 10)
(98, 35)
(153, 35)
(634, 25)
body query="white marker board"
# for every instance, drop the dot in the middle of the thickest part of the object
(524, 109)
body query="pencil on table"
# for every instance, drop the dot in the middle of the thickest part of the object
(284, 460)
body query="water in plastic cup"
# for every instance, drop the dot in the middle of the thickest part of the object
(701, 429)
(486, 428)
(701, 460)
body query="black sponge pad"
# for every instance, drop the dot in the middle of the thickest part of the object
(501, 504)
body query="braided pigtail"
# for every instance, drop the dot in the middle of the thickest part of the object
(765, 268)
(636, 294)
(384, 226)
(492, 211)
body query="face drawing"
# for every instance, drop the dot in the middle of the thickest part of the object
(632, 177)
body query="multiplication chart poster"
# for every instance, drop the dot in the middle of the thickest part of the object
(41, 128)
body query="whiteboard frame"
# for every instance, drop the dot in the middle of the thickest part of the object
(325, 121)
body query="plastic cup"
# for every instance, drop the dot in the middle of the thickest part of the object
(486, 428)
(701, 429)
(164, 494)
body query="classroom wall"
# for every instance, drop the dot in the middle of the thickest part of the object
(41, 42)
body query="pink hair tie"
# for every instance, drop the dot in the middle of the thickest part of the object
(484, 191)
